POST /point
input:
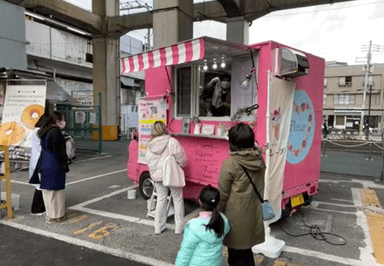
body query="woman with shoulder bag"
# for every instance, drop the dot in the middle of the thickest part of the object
(238, 199)
(38, 207)
(53, 168)
(159, 149)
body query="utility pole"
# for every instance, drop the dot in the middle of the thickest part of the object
(367, 68)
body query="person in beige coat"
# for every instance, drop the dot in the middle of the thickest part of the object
(239, 201)
(161, 146)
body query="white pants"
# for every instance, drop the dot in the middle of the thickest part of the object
(54, 201)
(161, 214)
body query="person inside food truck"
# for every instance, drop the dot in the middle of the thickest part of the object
(221, 98)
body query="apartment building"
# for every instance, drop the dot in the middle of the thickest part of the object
(344, 92)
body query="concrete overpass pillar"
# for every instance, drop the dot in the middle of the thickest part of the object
(106, 76)
(238, 30)
(172, 21)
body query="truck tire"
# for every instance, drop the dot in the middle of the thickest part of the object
(146, 185)
(287, 211)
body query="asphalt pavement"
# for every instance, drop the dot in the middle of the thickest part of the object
(19, 247)
(104, 227)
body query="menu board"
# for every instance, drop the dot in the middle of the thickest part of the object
(150, 111)
(24, 104)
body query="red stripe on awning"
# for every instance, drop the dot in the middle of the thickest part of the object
(163, 57)
(175, 54)
(141, 62)
(150, 59)
(188, 51)
(122, 66)
(194, 50)
(131, 64)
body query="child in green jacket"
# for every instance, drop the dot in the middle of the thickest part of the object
(203, 236)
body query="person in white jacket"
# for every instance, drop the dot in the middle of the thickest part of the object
(161, 146)
(38, 207)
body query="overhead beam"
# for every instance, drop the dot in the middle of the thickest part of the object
(121, 25)
(256, 9)
(219, 10)
(66, 12)
(231, 7)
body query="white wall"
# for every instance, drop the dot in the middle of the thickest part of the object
(51, 43)
(12, 36)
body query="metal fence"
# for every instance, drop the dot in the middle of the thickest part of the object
(84, 126)
(353, 157)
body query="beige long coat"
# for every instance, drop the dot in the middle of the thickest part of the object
(238, 200)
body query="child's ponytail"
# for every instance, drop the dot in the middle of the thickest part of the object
(210, 198)
(216, 223)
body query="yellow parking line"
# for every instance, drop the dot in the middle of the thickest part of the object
(369, 197)
(92, 225)
(375, 223)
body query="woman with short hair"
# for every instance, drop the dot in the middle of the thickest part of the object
(238, 199)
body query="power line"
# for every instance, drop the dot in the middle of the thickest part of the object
(329, 9)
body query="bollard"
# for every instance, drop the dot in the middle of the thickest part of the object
(324, 148)
(370, 151)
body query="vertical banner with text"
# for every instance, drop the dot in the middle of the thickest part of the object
(150, 111)
(281, 95)
(24, 104)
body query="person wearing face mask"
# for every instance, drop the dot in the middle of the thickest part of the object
(221, 100)
(53, 167)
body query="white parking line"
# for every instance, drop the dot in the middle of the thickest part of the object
(91, 159)
(127, 218)
(367, 251)
(336, 204)
(97, 176)
(83, 243)
(22, 183)
(102, 197)
(132, 219)
(324, 256)
(351, 201)
(365, 183)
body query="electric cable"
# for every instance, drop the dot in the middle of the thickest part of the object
(317, 234)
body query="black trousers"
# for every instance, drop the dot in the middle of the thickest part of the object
(38, 202)
(240, 257)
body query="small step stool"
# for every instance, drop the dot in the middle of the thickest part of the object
(151, 205)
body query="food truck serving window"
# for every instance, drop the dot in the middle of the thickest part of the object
(212, 89)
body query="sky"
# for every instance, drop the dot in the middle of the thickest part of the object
(336, 32)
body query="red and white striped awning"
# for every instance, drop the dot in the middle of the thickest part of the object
(172, 55)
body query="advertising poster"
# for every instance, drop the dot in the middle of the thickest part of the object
(24, 104)
(150, 111)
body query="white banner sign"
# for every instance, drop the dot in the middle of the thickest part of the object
(24, 104)
(281, 94)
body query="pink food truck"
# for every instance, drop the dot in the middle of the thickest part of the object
(201, 87)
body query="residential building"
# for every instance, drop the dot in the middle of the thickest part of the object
(344, 87)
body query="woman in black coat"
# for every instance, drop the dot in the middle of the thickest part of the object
(53, 167)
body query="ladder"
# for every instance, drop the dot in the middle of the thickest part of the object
(6, 176)
(151, 205)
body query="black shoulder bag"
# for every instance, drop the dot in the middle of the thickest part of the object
(268, 213)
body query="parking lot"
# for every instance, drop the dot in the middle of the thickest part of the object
(102, 218)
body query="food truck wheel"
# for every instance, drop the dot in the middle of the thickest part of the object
(287, 211)
(146, 185)
(307, 200)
